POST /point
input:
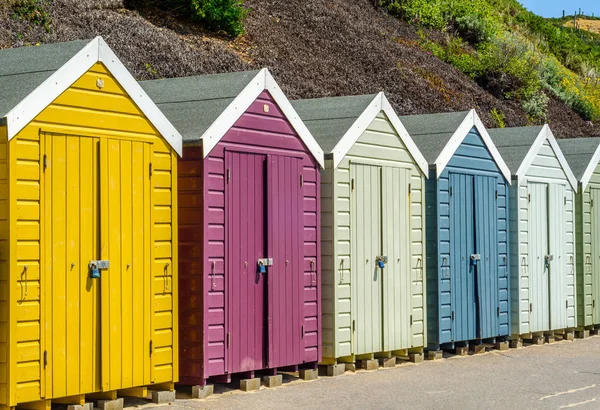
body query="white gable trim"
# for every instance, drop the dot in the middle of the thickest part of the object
(470, 121)
(261, 82)
(589, 171)
(380, 103)
(96, 51)
(545, 134)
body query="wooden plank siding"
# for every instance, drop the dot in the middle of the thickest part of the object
(257, 130)
(84, 110)
(544, 169)
(588, 267)
(471, 158)
(379, 145)
(5, 283)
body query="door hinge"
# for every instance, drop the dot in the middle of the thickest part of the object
(565, 200)
(567, 304)
(150, 169)
(228, 175)
(352, 184)
(450, 191)
(529, 198)
(301, 180)
(498, 311)
(496, 195)
(354, 325)
(530, 307)
(228, 339)
(45, 161)
(452, 315)
(45, 358)
(151, 347)
(409, 189)
(302, 331)
(594, 303)
(411, 320)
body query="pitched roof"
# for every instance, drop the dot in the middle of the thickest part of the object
(32, 77)
(579, 152)
(514, 143)
(193, 104)
(432, 132)
(328, 119)
(23, 69)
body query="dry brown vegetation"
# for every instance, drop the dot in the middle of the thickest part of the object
(593, 26)
(314, 48)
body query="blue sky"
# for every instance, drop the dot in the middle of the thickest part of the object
(554, 8)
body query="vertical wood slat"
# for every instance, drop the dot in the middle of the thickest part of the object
(538, 248)
(558, 266)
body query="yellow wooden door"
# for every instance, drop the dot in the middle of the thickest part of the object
(97, 206)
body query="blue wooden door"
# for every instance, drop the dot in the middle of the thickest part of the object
(462, 246)
(486, 247)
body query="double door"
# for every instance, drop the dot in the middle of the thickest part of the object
(97, 207)
(381, 258)
(546, 247)
(473, 256)
(265, 266)
(593, 265)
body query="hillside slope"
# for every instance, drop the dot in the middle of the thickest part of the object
(314, 48)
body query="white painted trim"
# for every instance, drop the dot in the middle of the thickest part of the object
(589, 171)
(380, 162)
(561, 158)
(356, 130)
(96, 51)
(407, 140)
(292, 116)
(139, 96)
(545, 134)
(380, 103)
(261, 82)
(470, 121)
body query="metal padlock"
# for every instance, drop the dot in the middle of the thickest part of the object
(475, 257)
(381, 261)
(261, 267)
(94, 271)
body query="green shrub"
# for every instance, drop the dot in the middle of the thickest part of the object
(498, 118)
(33, 11)
(226, 15)
(536, 106)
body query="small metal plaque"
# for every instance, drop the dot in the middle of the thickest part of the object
(265, 262)
(475, 257)
(100, 264)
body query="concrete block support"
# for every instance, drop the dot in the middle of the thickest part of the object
(582, 334)
(478, 349)
(387, 362)
(250, 384)
(86, 406)
(332, 370)
(435, 355)
(569, 336)
(273, 381)
(516, 344)
(462, 350)
(350, 367)
(202, 392)
(116, 404)
(367, 364)
(416, 357)
(163, 396)
(502, 346)
(308, 374)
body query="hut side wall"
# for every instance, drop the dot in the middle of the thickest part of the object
(5, 293)
(545, 168)
(587, 265)
(379, 143)
(85, 110)
(472, 158)
(517, 223)
(271, 133)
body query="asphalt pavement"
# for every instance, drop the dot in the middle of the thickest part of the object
(561, 375)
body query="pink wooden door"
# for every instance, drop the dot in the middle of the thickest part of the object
(245, 207)
(286, 276)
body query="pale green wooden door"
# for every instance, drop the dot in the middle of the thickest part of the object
(538, 248)
(595, 265)
(397, 292)
(558, 252)
(367, 297)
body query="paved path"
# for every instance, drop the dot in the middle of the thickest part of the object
(562, 375)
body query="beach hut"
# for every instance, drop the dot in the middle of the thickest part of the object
(542, 236)
(249, 223)
(583, 156)
(373, 231)
(467, 231)
(88, 272)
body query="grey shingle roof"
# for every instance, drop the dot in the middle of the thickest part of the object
(192, 104)
(431, 132)
(328, 119)
(514, 143)
(579, 153)
(23, 69)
